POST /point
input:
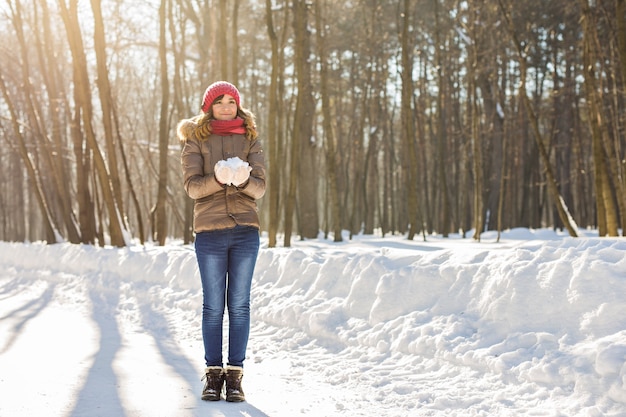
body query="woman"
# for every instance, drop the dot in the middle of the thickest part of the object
(224, 172)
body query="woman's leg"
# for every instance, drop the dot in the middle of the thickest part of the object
(241, 262)
(212, 255)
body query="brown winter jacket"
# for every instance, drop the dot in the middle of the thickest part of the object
(218, 206)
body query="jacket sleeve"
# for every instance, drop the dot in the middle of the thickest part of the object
(197, 183)
(255, 187)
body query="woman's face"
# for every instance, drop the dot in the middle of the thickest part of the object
(224, 108)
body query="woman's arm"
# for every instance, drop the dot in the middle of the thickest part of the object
(255, 187)
(197, 183)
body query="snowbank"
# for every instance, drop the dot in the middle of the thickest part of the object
(534, 325)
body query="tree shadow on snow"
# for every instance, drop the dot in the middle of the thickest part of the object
(154, 322)
(26, 313)
(11, 288)
(224, 409)
(407, 245)
(99, 393)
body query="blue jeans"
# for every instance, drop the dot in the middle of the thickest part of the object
(226, 259)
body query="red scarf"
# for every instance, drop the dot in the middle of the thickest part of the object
(228, 127)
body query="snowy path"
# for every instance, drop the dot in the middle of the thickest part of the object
(84, 346)
(96, 345)
(375, 327)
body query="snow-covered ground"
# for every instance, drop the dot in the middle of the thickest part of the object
(532, 326)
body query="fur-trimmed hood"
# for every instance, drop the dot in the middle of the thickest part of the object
(187, 128)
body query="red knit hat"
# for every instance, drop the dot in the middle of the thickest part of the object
(217, 89)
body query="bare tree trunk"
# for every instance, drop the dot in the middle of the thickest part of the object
(131, 189)
(607, 212)
(272, 131)
(202, 21)
(620, 20)
(179, 47)
(60, 164)
(503, 176)
(13, 210)
(611, 140)
(158, 212)
(51, 229)
(234, 36)
(477, 162)
(70, 19)
(106, 102)
(551, 180)
(425, 156)
(56, 178)
(303, 127)
(408, 132)
(222, 37)
(357, 165)
(441, 129)
(370, 182)
(331, 164)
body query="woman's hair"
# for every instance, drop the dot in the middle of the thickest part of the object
(203, 121)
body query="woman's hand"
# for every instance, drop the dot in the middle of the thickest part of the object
(223, 173)
(241, 175)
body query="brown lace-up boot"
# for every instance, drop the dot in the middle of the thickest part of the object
(234, 392)
(214, 380)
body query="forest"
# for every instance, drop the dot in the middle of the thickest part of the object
(376, 116)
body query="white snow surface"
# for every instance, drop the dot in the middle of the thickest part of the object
(533, 325)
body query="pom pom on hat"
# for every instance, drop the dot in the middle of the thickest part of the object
(217, 89)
